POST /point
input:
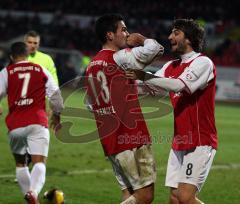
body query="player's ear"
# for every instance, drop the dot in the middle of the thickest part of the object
(11, 57)
(110, 36)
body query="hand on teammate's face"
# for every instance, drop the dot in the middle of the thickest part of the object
(135, 39)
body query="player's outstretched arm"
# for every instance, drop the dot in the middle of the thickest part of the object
(139, 75)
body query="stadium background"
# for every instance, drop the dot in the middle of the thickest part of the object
(66, 29)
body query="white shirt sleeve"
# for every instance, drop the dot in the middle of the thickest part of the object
(3, 83)
(51, 86)
(198, 74)
(162, 83)
(53, 93)
(148, 52)
(138, 57)
(168, 84)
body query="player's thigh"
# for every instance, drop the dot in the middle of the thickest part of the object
(174, 165)
(38, 140)
(196, 166)
(135, 168)
(125, 169)
(18, 141)
(146, 165)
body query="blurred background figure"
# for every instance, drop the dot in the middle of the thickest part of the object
(32, 40)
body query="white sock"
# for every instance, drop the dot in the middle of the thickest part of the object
(38, 175)
(130, 200)
(23, 177)
(199, 201)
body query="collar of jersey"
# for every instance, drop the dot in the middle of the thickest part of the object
(189, 56)
(24, 61)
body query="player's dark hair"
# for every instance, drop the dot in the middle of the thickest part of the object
(106, 23)
(193, 32)
(32, 33)
(18, 49)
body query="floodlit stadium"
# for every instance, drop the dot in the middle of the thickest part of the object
(76, 165)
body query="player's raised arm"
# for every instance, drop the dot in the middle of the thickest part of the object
(138, 57)
(147, 49)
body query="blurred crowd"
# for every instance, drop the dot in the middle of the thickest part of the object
(153, 9)
(152, 19)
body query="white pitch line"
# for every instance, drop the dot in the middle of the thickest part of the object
(92, 171)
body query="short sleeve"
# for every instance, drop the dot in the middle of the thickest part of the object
(198, 74)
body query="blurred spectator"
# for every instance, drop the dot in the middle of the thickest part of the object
(66, 32)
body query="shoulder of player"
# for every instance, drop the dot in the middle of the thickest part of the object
(121, 55)
(202, 59)
(3, 72)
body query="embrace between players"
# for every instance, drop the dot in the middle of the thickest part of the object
(112, 96)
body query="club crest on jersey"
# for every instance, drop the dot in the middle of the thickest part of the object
(190, 75)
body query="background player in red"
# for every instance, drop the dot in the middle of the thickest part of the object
(26, 85)
(113, 99)
(191, 80)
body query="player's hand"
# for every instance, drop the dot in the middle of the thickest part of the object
(135, 39)
(55, 122)
(130, 74)
(135, 74)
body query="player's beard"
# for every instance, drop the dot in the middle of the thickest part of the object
(180, 50)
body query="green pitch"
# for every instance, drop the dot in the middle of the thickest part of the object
(85, 176)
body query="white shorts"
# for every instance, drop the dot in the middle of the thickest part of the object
(134, 169)
(189, 166)
(33, 139)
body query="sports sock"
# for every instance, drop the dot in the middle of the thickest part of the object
(130, 200)
(199, 201)
(38, 175)
(23, 178)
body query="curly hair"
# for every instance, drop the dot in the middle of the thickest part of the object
(193, 31)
